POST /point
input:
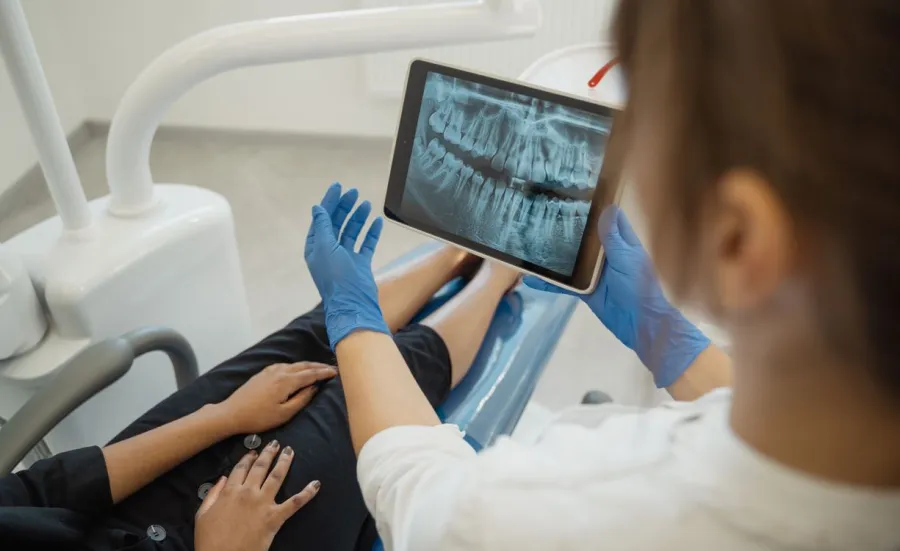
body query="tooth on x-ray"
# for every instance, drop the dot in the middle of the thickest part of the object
(514, 173)
(472, 133)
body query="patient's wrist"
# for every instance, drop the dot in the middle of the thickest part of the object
(217, 421)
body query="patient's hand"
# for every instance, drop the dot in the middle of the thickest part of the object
(273, 396)
(240, 512)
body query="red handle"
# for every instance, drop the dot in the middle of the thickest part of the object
(602, 72)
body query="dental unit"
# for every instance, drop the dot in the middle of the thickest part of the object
(154, 266)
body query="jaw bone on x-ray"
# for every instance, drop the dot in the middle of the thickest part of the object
(511, 172)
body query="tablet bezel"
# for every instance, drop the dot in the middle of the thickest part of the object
(590, 254)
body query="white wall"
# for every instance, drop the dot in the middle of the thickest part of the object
(118, 38)
(17, 153)
(94, 49)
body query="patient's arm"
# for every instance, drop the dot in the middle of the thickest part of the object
(380, 390)
(137, 461)
(269, 399)
(710, 370)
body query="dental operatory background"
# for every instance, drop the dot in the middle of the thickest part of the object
(271, 138)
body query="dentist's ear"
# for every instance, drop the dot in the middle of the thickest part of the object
(750, 247)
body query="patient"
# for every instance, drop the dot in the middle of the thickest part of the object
(230, 461)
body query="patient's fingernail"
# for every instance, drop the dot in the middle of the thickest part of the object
(315, 485)
(273, 444)
(288, 451)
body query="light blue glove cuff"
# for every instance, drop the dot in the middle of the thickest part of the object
(340, 323)
(676, 343)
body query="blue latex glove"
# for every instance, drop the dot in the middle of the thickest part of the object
(342, 276)
(630, 303)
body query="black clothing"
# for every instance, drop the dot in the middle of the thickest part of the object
(65, 503)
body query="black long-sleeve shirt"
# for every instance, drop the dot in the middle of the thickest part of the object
(64, 503)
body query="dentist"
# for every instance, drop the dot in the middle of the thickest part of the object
(764, 151)
(414, 471)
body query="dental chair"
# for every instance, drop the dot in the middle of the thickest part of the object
(485, 405)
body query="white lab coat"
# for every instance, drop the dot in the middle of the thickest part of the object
(606, 477)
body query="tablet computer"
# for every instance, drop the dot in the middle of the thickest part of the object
(505, 170)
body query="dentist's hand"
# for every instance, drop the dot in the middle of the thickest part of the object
(631, 304)
(342, 275)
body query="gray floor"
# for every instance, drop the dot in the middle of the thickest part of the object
(272, 183)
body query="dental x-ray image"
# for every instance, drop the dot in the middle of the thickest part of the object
(508, 171)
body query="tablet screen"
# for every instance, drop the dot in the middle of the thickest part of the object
(503, 169)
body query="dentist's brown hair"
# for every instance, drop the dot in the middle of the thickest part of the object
(805, 93)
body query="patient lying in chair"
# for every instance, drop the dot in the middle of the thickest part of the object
(255, 454)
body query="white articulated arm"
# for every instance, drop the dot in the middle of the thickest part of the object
(30, 84)
(305, 37)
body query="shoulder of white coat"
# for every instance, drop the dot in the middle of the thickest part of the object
(576, 483)
(623, 441)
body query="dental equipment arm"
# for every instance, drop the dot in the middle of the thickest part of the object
(30, 84)
(315, 36)
(79, 379)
